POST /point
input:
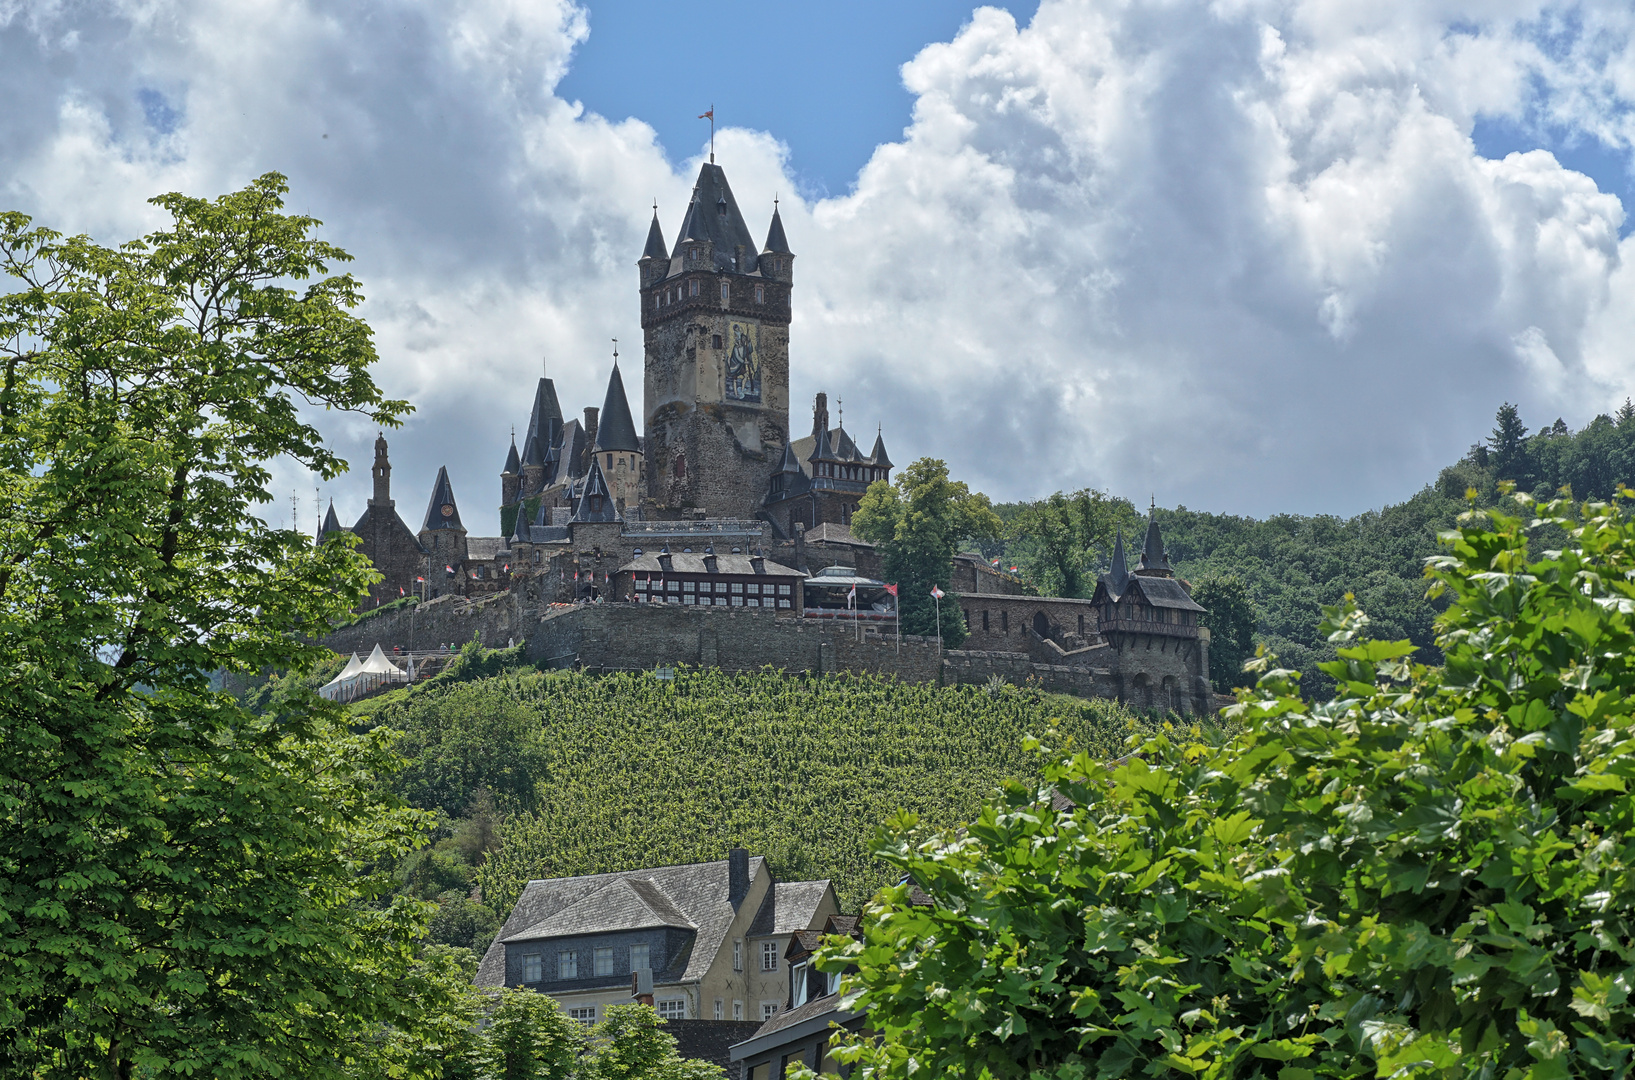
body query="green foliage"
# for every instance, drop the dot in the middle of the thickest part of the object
(1060, 542)
(630, 1043)
(185, 884)
(918, 526)
(1230, 616)
(483, 737)
(529, 1037)
(647, 772)
(1428, 875)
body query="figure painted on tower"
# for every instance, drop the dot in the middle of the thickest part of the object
(744, 363)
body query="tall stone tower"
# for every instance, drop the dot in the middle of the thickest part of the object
(715, 320)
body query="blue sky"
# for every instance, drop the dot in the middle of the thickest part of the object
(822, 77)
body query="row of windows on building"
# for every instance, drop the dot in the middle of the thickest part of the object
(676, 1009)
(849, 472)
(1005, 621)
(567, 963)
(1143, 613)
(677, 293)
(721, 593)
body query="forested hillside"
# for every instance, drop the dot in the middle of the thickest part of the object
(1291, 565)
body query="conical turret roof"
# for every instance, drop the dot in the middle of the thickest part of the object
(441, 512)
(531, 453)
(331, 522)
(845, 449)
(789, 464)
(713, 216)
(655, 239)
(1118, 576)
(544, 423)
(821, 450)
(615, 430)
(512, 464)
(520, 533)
(775, 241)
(879, 458)
(1154, 561)
(596, 503)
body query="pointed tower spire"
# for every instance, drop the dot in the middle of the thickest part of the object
(776, 244)
(513, 464)
(655, 248)
(1154, 560)
(615, 429)
(1118, 576)
(878, 458)
(520, 534)
(596, 503)
(441, 513)
(331, 523)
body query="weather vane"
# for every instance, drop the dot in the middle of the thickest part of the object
(615, 352)
(710, 116)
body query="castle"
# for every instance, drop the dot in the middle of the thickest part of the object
(714, 505)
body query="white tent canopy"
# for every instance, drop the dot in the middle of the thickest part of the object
(360, 677)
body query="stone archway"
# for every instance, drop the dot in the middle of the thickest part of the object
(1143, 691)
(1041, 625)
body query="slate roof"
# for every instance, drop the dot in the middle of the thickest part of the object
(1117, 578)
(621, 904)
(615, 430)
(806, 449)
(548, 534)
(713, 216)
(572, 462)
(1153, 557)
(595, 504)
(699, 563)
(697, 890)
(843, 577)
(513, 464)
(331, 522)
(544, 423)
(790, 1017)
(878, 457)
(775, 241)
(834, 533)
(484, 548)
(1166, 593)
(531, 453)
(442, 494)
(711, 1040)
(845, 449)
(655, 239)
(789, 906)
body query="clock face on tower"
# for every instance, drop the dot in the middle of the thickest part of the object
(448, 510)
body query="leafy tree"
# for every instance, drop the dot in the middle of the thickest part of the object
(1429, 875)
(482, 739)
(184, 884)
(1064, 538)
(1230, 615)
(1509, 443)
(631, 1044)
(529, 1037)
(918, 525)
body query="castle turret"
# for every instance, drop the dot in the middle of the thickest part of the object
(1154, 559)
(382, 473)
(331, 523)
(443, 538)
(655, 260)
(542, 443)
(511, 475)
(777, 262)
(596, 502)
(617, 445)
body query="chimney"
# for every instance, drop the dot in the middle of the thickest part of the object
(641, 986)
(737, 876)
(590, 437)
(820, 415)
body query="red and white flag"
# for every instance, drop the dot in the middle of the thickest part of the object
(892, 589)
(400, 590)
(937, 593)
(851, 597)
(449, 570)
(421, 580)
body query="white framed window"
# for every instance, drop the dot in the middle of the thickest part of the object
(726, 292)
(769, 956)
(533, 968)
(783, 590)
(769, 1009)
(738, 587)
(720, 1009)
(585, 1015)
(638, 957)
(689, 586)
(690, 598)
(738, 1010)
(567, 965)
(673, 1009)
(831, 983)
(737, 960)
(720, 586)
(604, 960)
(797, 984)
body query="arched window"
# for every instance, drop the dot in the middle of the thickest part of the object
(680, 468)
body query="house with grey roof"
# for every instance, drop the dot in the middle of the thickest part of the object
(801, 1031)
(712, 935)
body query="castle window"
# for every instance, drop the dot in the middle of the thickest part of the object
(610, 461)
(1005, 621)
(692, 288)
(715, 341)
(681, 467)
(984, 620)
(726, 292)
(1081, 625)
(655, 301)
(539, 556)
(689, 586)
(783, 590)
(760, 294)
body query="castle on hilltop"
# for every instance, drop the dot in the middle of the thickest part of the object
(713, 504)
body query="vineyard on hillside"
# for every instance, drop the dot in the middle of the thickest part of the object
(601, 773)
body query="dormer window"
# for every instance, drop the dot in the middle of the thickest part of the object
(797, 985)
